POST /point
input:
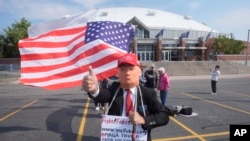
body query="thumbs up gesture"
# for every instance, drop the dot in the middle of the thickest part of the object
(90, 83)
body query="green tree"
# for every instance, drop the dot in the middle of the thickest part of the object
(228, 45)
(2, 38)
(12, 34)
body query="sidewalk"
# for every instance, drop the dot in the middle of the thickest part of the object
(4, 81)
(208, 76)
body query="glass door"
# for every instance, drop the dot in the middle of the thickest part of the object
(165, 55)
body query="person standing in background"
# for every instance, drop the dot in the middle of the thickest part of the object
(142, 77)
(164, 85)
(214, 78)
(151, 76)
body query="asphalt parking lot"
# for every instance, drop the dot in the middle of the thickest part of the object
(30, 113)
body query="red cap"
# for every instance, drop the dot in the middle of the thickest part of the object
(129, 58)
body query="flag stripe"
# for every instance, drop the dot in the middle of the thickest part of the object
(97, 51)
(40, 53)
(76, 71)
(51, 43)
(27, 57)
(78, 82)
(67, 31)
(45, 72)
(102, 72)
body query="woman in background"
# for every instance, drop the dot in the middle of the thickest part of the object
(164, 85)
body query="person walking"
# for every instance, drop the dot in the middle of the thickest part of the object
(214, 78)
(164, 85)
(144, 108)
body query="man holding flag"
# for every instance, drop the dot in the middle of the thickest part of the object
(127, 97)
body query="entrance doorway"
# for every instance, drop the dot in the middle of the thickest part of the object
(165, 55)
(145, 55)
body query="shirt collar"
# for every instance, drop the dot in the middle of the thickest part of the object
(132, 90)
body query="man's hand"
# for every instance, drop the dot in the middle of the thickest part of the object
(90, 83)
(136, 118)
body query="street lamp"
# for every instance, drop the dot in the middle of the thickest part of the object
(247, 47)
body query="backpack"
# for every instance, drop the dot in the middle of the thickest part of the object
(171, 111)
(185, 110)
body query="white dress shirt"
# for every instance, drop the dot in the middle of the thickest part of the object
(133, 94)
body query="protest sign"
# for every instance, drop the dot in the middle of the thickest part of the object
(118, 128)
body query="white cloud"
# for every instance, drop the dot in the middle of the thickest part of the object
(193, 5)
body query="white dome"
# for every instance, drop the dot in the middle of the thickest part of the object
(152, 18)
(149, 18)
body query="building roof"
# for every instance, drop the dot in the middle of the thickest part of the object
(152, 18)
(144, 17)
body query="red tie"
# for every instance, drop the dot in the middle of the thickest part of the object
(129, 103)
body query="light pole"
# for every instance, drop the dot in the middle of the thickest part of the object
(247, 47)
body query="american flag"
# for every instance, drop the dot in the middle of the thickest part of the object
(209, 34)
(185, 34)
(60, 58)
(160, 33)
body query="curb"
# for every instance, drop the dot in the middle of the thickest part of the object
(208, 76)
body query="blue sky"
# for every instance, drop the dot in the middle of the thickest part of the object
(222, 15)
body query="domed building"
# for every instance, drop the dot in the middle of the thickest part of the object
(181, 38)
(161, 35)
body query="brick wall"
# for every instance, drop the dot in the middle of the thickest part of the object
(233, 57)
(9, 60)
